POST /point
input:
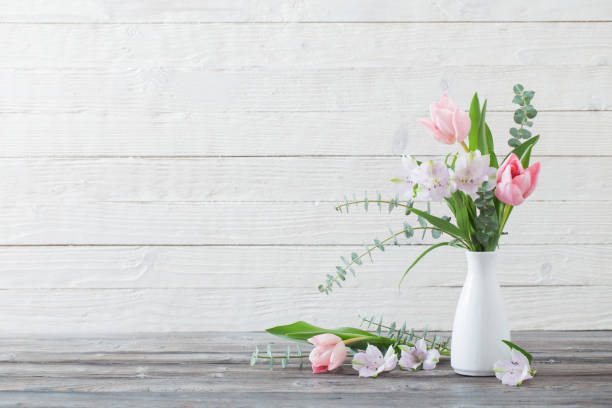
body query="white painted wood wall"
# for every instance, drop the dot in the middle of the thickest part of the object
(173, 165)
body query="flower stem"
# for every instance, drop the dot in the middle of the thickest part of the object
(465, 147)
(356, 339)
(505, 214)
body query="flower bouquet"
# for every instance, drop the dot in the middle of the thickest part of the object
(480, 192)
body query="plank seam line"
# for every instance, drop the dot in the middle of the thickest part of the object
(291, 22)
(327, 245)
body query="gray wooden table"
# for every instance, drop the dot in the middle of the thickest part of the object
(211, 369)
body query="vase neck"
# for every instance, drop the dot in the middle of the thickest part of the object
(481, 262)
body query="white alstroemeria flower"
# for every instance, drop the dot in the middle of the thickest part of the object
(413, 357)
(403, 180)
(434, 181)
(515, 371)
(371, 363)
(471, 170)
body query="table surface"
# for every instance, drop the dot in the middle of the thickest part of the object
(212, 369)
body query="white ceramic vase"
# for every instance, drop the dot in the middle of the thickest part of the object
(480, 319)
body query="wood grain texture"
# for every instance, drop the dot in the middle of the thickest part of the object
(302, 11)
(138, 90)
(255, 179)
(211, 369)
(36, 134)
(90, 311)
(301, 46)
(271, 223)
(227, 267)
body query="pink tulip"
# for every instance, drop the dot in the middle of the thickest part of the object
(514, 184)
(329, 352)
(448, 124)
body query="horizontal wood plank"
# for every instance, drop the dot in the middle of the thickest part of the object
(30, 134)
(287, 267)
(261, 223)
(256, 179)
(142, 90)
(161, 369)
(239, 46)
(61, 311)
(303, 11)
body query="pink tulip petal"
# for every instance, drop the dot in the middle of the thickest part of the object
(338, 355)
(446, 102)
(534, 171)
(325, 339)
(512, 159)
(509, 193)
(522, 181)
(444, 122)
(318, 369)
(435, 132)
(461, 125)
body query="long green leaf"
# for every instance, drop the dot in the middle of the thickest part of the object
(482, 131)
(444, 225)
(517, 348)
(493, 158)
(475, 120)
(526, 157)
(425, 252)
(521, 150)
(302, 331)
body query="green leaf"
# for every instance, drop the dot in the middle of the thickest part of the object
(491, 148)
(422, 221)
(514, 132)
(526, 157)
(482, 133)
(436, 233)
(379, 245)
(519, 116)
(440, 223)
(475, 120)
(395, 241)
(528, 96)
(521, 150)
(355, 258)
(518, 99)
(391, 330)
(524, 134)
(397, 180)
(379, 328)
(428, 250)
(408, 230)
(514, 142)
(517, 348)
(530, 112)
(518, 89)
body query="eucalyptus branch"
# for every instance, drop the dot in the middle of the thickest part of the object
(405, 337)
(356, 259)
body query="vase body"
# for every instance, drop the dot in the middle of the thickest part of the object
(480, 322)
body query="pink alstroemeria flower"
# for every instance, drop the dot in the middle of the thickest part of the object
(413, 357)
(514, 184)
(515, 371)
(371, 363)
(329, 352)
(449, 123)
